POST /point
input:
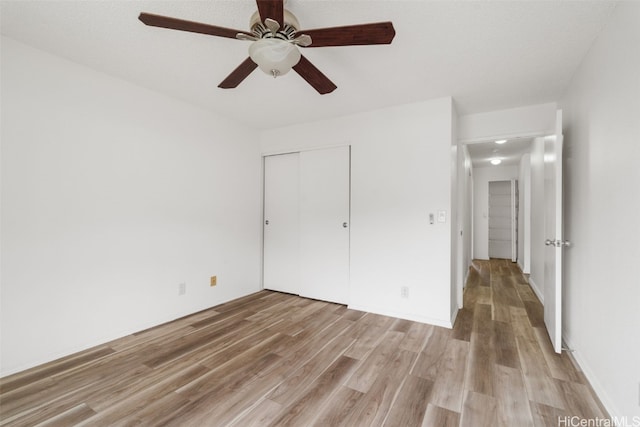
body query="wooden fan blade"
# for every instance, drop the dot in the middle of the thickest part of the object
(273, 9)
(238, 75)
(313, 76)
(350, 35)
(190, 26)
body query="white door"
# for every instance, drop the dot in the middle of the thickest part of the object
(281, 223)
(500, 219)
(553, 233)
(324, 224)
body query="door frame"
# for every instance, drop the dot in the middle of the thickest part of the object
(460, 268)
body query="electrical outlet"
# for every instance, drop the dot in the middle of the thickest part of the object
(182, 288)
(214, 280)
(404, 292)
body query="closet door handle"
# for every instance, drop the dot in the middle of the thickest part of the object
(344, 225)
(266, 222)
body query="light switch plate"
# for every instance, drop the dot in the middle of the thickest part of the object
(442, 216)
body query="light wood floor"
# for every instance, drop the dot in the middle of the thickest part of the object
(276, 359)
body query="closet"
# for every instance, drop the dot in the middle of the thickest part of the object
(306, 223)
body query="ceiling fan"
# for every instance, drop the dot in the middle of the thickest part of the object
(276, 36)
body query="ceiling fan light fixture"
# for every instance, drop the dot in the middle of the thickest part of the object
(274, 56)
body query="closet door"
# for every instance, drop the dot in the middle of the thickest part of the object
(281, 259)
(503, 219)
(324, 224)
(500, 225)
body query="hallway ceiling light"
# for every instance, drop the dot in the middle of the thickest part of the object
(501, 141)
(496, 161)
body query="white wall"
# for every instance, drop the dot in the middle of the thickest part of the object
(532, 120)
(481, 178)
(524, 218)
(602, 201)
(400, 168)
(111, 196)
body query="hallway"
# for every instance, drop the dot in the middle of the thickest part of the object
(514, 377)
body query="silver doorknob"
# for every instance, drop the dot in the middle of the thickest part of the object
(557, 243)
(344, 225)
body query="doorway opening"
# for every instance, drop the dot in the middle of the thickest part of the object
(538, 172)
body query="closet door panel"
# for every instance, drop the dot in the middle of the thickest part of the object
(324, 224)
(500, 225)
(281, 255)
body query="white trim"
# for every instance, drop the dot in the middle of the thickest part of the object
(537, 290)
(582, 365)
(466, 277)
(437, 322)
(454, 316)
(514, 220)
(300, 149)
(512, 135)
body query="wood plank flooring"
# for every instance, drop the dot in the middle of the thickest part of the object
(272, 359)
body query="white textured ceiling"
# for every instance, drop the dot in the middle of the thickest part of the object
(487, 55)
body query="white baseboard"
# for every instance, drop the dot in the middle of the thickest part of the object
(414, 318)
(592, 378)
(536, 290)
(454, 315)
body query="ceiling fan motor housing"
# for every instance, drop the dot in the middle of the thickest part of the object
(285, 32)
